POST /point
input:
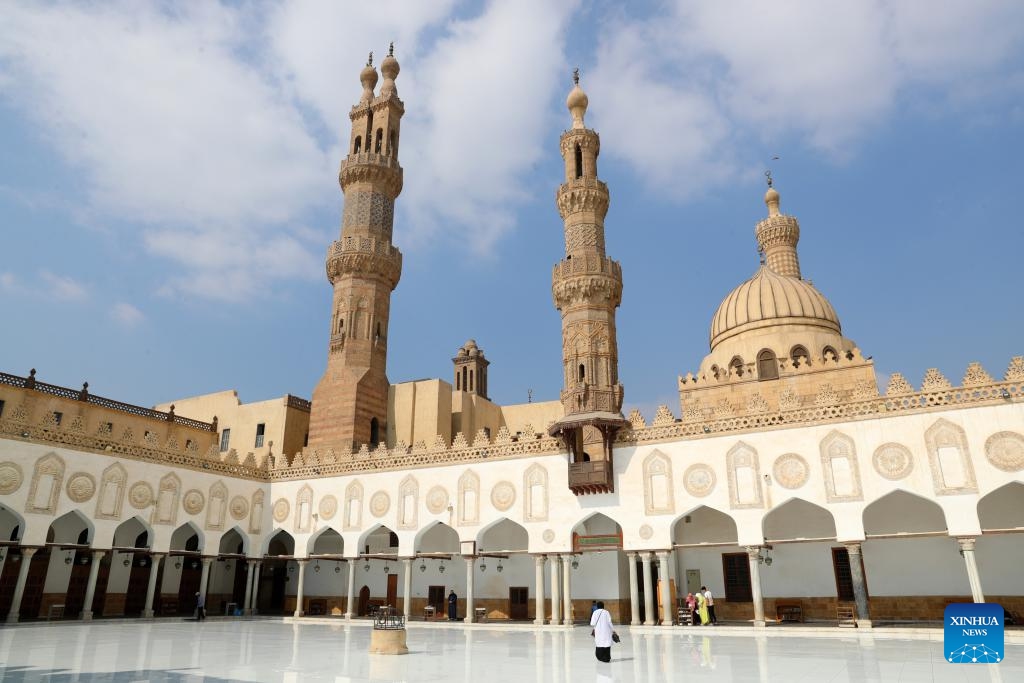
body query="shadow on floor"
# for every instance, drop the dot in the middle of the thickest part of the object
(27, 674)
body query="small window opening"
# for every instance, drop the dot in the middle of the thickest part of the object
(736, 366)
(374, 432)
(305, 440)
(582, 372)
(391, 144)
(828, 353)
(379, 140)
(471, 380)
(57, 416)
(261, 430)
(225, 440)
(767, 365)
(579, 162)
(798, 352)
(359, 145)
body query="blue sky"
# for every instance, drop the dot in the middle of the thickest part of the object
(168, 182)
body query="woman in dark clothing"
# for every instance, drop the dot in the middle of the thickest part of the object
(453, 602)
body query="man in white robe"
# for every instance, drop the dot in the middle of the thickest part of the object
(601, 621)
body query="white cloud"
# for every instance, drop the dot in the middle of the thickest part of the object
(61, 287)
(126, 314)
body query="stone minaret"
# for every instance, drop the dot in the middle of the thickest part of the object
(777, 236)
(350, 403)
(587, 288)
(471, 369)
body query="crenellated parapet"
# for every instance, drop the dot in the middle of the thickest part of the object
(585, 280)
(582, 195)
(366, 257)
(380, 170)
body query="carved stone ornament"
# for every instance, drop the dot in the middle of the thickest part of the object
(503, 496)
(791, 471)
(893, 461)
(699, 480)
(1005, 450)
(140, 495)
(10, 477)
(380, 503)
(437, 500)
(81, 487)
(281, 510)
(193, 501)
(646, 532)
(239, 507)
(328, 507)
(548, 536)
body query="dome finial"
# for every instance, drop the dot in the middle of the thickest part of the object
(369, 60)
(391, 49)
(771, 197)
(389, 69)
(368, 79)
(577, 101)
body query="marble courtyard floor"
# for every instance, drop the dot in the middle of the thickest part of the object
(331, 650)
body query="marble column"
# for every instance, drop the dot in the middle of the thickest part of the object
(204, 579)
(300, 592)
(407, 587)
(538, 595)
(470, 566)
(650, 616)
(666, 589)
(250, 572)
(90, 587)
(860, 591)
(967, 551)
(256, 586)
(350, 601)
(556, 605)
(754, 557)
(19, 587)
(567, 590)
(152, 588)
(634, 591)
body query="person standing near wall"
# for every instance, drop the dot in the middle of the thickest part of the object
(601, 622)
(200, 606)
(453, 603)
(711, 604)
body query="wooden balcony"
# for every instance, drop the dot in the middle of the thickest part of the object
(591, 477)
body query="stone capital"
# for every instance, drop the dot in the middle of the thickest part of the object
(966, 543)
(753, 552)
(853, 547)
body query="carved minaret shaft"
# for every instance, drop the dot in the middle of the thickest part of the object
(350, 403)
(587, 288)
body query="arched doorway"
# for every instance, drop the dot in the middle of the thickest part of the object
(436, 548)
(327, 574)
(707, 554)
(600, 569)
(185, 569)
(1000, 548)
(64, 563)
(123, 578)
(12, 528)
(503, 546)
(381, 567)
(804, 572)
(229, 573)
(277, 571)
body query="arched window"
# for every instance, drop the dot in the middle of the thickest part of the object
(379, 140)
(767, 365)
(465, 378)
(736, 366)
(582, 372)
(798, 352)
(374, 432)
(391, 144)
(715, 371)
(830, 355)
(471, 380)
(359, 145)
(458, 381)
(579, 161)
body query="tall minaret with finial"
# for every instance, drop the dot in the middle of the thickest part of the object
(587, 288)
(350, 403)
(778, 235)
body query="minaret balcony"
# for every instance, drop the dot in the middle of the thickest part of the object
(382, 170)
(364, 256)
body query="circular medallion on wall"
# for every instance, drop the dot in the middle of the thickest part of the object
(281, 509)
(81, 487)
(380, 503)
(239, 507)
(328, 507)
(437, 500)
(548, 536)
(1005, 450)
(10, 477)
(140, 495)
(193, 501)
(791, 471)
(503, 495)
(699, 480)
(893, 461)
(646, 531)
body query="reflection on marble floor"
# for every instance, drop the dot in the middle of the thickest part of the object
(275, 651)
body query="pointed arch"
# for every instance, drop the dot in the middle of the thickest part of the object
(216, 509)
(469, 498)
(379, 538)
(408, 502)
(68, 528)
(182, 537)
(1002, 508)
(840, 467)
(535, 494)
(596, 523)
(304, 510)
(110, 500)
(798, 519)
(326, 541)
(47, 479)
(704, 524)
(744, 472)
(233, 541)
(503, 534)
(168, 499)
(353, 519)
(659, 498)
(950, 459)
(436, 537)
(901, 511)
(279, 543)
(12, 524)
(128, 532)
(767, 365)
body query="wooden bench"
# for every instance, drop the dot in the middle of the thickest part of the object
(480, 613)
(846, 616)
(789, 611)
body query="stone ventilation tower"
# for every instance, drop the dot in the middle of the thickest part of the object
(350, 403)
(471, 369)
(587, 288)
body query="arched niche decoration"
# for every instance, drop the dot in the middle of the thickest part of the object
(744, 477)
(304, 510)
(469, 498)
(256, 512)
(47, 479)
(113, 483)
(216, 509)
(840, 468)
(408, 503)
(535, 494)
(950, 459)
(353, 520)
(658, 494)
(168, 500)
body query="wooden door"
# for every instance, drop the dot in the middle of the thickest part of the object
(138, 584)
(393, 590)
(518, 603)
(436, 598)
(32, 598)
(364, 601)
(74, 601)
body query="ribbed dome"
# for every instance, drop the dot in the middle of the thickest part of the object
(769, 299)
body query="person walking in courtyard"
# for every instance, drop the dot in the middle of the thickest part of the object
(601, 622)
(453, 603)
(711, 604)
(200, 606)
(702, 609)
(691, 605)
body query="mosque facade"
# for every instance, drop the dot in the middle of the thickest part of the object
(786, 480)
